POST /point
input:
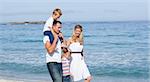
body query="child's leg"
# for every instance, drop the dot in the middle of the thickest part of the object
(67, 79)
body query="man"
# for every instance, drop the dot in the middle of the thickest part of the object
(55, 16)
(53, 56)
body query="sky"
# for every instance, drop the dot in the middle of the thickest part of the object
(77, 10)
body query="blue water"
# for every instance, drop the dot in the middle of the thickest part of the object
(115, 49)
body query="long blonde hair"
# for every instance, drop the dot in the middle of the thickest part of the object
(80, 38)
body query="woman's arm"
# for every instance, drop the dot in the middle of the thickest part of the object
(68, 42)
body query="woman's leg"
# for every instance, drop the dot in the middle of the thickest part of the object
(88, 79)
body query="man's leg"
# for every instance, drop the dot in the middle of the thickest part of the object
(60, 69)
(54, 71)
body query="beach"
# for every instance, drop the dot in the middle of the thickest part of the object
(116, 38)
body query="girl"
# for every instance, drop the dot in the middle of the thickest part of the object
(66, 64)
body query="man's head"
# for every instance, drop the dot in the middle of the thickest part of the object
(57, 26)
(56, 13)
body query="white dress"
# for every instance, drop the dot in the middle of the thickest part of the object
(78, 68)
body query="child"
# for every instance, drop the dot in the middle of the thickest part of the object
(66, 59)
(55, 16)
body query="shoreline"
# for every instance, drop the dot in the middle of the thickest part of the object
(95, 79)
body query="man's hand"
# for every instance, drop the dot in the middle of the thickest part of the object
(60, 35)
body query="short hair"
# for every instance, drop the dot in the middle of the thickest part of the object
(55, 22)
(57, 10)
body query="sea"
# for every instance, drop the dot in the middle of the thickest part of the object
(111, 49)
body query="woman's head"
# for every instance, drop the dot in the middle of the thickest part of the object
(77, 33)
(77, 30)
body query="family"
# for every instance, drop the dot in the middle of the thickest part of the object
(64, 58)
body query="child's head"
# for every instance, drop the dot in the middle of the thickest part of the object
(66, 52)
(64, 48)
(56, 13)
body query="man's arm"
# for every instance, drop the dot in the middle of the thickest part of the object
(51, 47)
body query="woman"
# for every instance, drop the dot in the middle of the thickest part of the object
(78, 68)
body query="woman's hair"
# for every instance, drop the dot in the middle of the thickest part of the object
(80, 38)
(57, 10)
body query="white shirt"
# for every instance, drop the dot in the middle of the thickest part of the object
(56, 56)
(48, 24)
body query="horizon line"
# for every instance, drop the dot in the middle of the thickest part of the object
(43, 22)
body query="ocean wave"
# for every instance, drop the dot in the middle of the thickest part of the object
(122, 35)
(113, 64)
(120, 72)
(25, 68)
(95, 70)
(29, 41)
